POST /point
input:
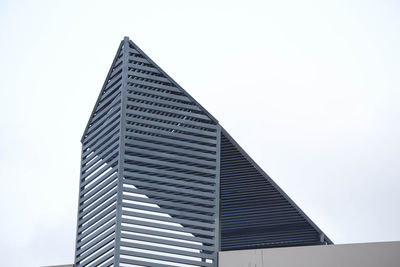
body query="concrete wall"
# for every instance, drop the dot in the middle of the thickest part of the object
(383, 254)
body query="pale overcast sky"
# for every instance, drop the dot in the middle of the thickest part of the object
(310, 89)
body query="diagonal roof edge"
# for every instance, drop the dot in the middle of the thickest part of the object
(102, 89)
(269, 179)
(173, 81)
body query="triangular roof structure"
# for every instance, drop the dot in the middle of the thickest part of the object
(163, 184)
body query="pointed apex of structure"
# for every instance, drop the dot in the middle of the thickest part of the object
(132, 68)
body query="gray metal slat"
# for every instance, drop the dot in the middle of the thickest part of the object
(138, 59)
(173, 156)
(155, 85)
(169, 110)
(96, 219)
(96, 171)
(101, 154)
(97, 223)
(166, 234)
(99, 149)
(109, 96)
(102, 259)
(170, 173)
(102, 158)
(173, 126)
(98, 206)
(163, 162)
(104, 129)
(133, 236)
(184, 183)
(143, 263)
(110, 178)
(141, 67)
(86, 179)
(185, 199)
(95, 236)
(148, 76)
(101, 190)
(164, 102)
(117, 70)
(187, 152)
(195, 222)
(181, 143)
(171, 133)
(178, 205)
(183, 229)
(133, 50)
(164, 258)
(172, 112)
(87, 253)
(132, 87)
(109, 263)
(100, 197)
(96, 124)
(169, 188)
(112, 135)
(168, 250)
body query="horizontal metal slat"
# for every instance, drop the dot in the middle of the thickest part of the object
(163, 102)
(97, 236)
(110, 138)
(133, 236)
(169, 235)
(163, 162)
(195, 221)
(169, 110)
(168, 196)
(98, 206)
(163, 258)
(167, 250)
(169, 188)
(177, 126)
(97, 223)
(110, 177)
(168, 140)
(172, 149)
(133, 168)
(183, 229)
(148, 76)
(165, 203)
(138, 59)
(142, 67)
(85, 260)
(181, 183)
(135, 88)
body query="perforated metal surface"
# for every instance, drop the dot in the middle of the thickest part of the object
(150, 179)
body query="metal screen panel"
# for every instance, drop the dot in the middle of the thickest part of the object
(97, 211)
(152, 160)
(169, 201)
(158, 204)
(255, 212)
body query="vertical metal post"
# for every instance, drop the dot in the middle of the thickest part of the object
(218, 195)
(121, 151)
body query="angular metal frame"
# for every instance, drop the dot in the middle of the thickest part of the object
(162, 184)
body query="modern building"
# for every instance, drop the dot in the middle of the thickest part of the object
(163, 183)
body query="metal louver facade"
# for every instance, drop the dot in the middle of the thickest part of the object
(162, 184)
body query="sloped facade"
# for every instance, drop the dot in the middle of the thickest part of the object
(163, 184)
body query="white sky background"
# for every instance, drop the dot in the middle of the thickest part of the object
(309, 89)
